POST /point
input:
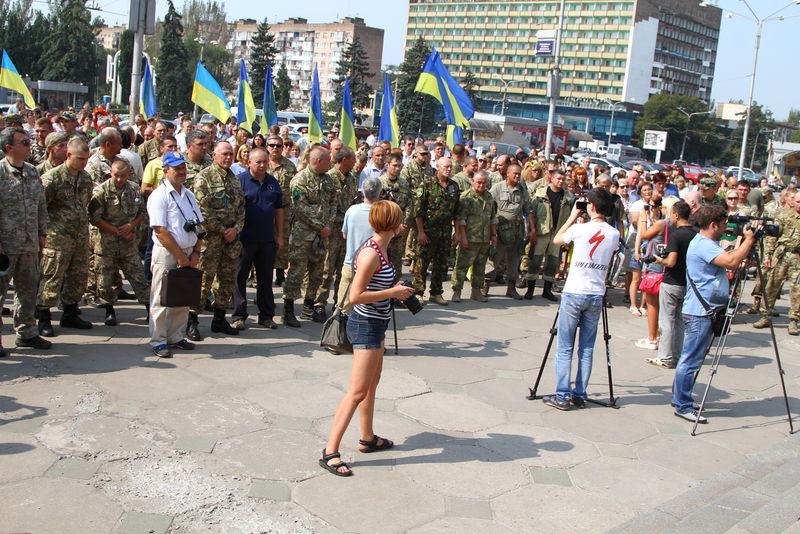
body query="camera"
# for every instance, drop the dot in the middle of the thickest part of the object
(194, 226)
(412, 303)
(660, 252)
(767, 228)
(581, 203)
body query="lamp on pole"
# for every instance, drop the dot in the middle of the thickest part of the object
(554, 84)
(613, 105)
(686, 132)
(755, 144)
(505, 93)
(203, 44)
(759, 25)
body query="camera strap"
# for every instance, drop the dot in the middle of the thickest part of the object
(178, 204)
(709, 310)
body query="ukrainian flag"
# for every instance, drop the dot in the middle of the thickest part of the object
(315, 113)
(10, 79)
(246, 113)
(347, 130)
(436, 81)
(207, 94)
(390, 129)
(270, 115)
(147, 102)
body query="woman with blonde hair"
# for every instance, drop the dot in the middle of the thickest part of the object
(242, 156)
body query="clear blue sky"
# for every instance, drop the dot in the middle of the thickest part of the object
(777, 80)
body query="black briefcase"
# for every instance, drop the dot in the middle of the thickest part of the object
(180, 287)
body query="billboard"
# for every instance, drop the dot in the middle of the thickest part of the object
(655, 140)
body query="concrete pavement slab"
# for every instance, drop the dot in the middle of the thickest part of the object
(154, 384)
(215, 414)
(73, 468)
(138, 523)
(537, 446)
(451, 412)
(273, 454)
(689, 455)
(441, 368)
(456, 507)
(271, 490)
(22, 457)
(296, 398)
(448, 525)
(395, 384)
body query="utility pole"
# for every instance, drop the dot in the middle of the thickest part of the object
(686, 132)
(196, 111)
(554, 83)
(742, 152)
(142, 21)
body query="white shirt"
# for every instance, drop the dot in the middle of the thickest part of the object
(369, 172)
(135, 161)
(169, 209)
(407, 158)
(180, 138)
(595, 243)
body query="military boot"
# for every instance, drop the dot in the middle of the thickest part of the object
(764, 322)
(44, 325)
(192, 330)
(456, 295)
(521, 281)
(485, 288)
(288, 314)
(529, 293)
(280, 277)
(478, 295)
(111, 316)
(319, 315)
(221, 325)
(511, 291)
(548, 292)
(793, 329)
(308, 310)
(71, 319)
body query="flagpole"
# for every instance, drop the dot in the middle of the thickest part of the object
(554, 84)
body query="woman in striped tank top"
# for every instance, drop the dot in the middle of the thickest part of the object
(370, 293)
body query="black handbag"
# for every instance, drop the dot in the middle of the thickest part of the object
(334, 332)
(180, 287)
(717, 315)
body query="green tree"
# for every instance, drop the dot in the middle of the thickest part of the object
(174, 78)
(71, 53)
(415, 111)
(761, 125)
(794, 117)
(795, 137)
(354, 65)
(23, 34)
(125, 64)
(262, 54)
(207, 21)
(217, 60)
(470, 83)
(283, 87)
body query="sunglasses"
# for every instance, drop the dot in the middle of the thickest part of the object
(274, 145)
(623, 186)
(733, 198)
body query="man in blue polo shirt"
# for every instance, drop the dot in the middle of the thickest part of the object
(261, 237)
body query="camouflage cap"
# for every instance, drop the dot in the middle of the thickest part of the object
(13, 117)
(67, 116)
(54, 138)
(766, 190)
(708, 182)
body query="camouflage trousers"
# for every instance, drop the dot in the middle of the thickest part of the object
(218, 261)
(785, 267)
(435, 255)
(543, 249)
(397, 248)
(506, 261)
(64, 271)
(306, 257)
(24, 269)
(92, 271)
(332, 266)
(411, 244)
(474, 256)
(112, 255)
(282, 259)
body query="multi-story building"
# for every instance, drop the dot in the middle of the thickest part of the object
(109, 36)
(612, 51)
(302, 45)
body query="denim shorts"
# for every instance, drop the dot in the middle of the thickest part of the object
(366, 332)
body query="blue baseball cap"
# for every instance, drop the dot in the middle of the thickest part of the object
(172, 159)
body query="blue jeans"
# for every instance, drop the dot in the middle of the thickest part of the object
(696, 340)
(576, 311)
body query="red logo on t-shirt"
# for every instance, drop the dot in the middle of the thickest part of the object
(596, 239)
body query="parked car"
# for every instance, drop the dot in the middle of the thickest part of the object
(692, 172)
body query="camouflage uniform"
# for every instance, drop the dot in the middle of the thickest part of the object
(192, 169)
(771, 209)
(546, 229)
(99, 169)
(112, 252)
(220, 197)
(457, 167)
(38, 154)
(399, 191)
(65, 257)
(512, 205)
(313, 208)
(464, 182)
(22, 220)
(415, 173)
(149, 150)
(45, 166)
(284, 173)
(477, 213)
(496, 178)
(437, 206)
(785, 265)
(346, 191)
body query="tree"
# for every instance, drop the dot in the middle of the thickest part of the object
(354, 65)
(216, 59)
(262, 54)
(206, 20)
(283, 88)
(23, 34)
(794, 117)
(71, 53)
(125, 64)
(795, 137)
(174, 78)
(415, 110)
(469, 82)
(761, 125)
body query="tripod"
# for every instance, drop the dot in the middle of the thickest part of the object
(612, 401)
(730, 313)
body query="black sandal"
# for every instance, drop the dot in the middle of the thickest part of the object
(335, 467)
(372, 445)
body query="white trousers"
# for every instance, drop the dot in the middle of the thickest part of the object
(166, 324)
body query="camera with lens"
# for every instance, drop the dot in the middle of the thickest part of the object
(581, 203)
(412, 303)
(659, 252)
(194, 226)
(768, 226)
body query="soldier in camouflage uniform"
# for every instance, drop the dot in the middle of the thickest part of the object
(149, 149)
(784, 265)
(435, 208)
(772, 208)
(65, 258)
(23, 225)
(313, 212)
(283, 170)
(464, 178)
(396, 189)
(477, 227)
(69, 124)
(415, 173)
(220, 197)
(346, 192)
(459, 157)
(708, 187)
(498, 175)
(197, 158)
(117, 209)
(39, 148)
(56, 144)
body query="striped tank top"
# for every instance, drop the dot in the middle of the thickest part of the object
(382, 279)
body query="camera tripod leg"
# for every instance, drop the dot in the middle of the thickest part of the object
(553, 332)
(394, 327)
(612, 401)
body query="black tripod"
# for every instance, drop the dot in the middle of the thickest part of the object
(730, 313)
(612, 401)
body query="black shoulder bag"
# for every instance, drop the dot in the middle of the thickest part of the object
(717, 315)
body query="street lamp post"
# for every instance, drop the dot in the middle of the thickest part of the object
(613, 105)
(686, 132)
(195, 113)
(554, 84)
(505, 93)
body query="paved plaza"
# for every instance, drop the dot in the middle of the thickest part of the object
(99, 436)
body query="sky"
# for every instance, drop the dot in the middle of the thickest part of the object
(777, 80)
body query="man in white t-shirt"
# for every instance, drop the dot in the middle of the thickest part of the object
(582, 297)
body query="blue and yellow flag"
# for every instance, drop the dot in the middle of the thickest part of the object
(246, 112)
(390, 128)
(207, 94)
(315, 126)
(10, 79)
(147, 100)
(270, 113)
(347, 130)
(436, 81)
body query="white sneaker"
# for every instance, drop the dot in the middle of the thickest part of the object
(692, 417)
(645, 343)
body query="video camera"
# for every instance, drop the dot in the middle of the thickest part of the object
(412, 303)
(660, 251)
(767, 228)
(194, 226)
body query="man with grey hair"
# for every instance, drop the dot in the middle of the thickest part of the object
(99, 164)
(128, 135)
